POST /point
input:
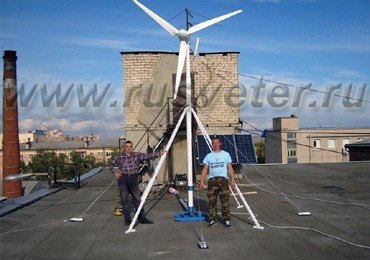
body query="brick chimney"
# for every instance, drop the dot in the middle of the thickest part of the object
(11, 157)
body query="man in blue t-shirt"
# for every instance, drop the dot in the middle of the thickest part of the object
(218, 163)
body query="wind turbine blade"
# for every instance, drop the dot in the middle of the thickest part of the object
(167, 26)
(205, 24)
(180, 65)
(196, 47)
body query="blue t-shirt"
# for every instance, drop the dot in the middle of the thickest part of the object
(217, 163)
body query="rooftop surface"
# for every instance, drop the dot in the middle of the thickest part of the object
(337, 195)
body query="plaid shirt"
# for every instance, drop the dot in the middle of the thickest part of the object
(130, 164)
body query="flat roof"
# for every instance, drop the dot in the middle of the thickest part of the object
(336, 194)
(67, 145)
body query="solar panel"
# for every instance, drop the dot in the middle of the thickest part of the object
(240, 148)
(245, 149)
(203, 149)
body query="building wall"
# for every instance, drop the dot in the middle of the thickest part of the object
(294, 145)
(148, 79)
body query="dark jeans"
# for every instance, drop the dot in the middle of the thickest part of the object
(129, 184)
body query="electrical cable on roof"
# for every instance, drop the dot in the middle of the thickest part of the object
(317, 231)
(304, 198)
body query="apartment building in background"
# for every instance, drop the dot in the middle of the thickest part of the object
(288, 143)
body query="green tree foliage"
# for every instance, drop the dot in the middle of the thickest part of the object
(48, 161)
(43, 160)
(260, 151)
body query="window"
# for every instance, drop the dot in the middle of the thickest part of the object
(292, 153)
(100, 154)
(331, 143)
(30, 156)
(291, 135)
(317, 143)
(292, 160)
(360, 139)
(91, 154)
(108, 154)
(291, 144)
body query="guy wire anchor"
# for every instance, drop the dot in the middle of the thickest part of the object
(202, 244)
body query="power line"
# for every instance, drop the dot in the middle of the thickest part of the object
(304, 88)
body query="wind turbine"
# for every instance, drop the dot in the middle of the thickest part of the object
(184, 37)
(184, 55)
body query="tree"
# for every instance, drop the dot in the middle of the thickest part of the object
(43, 162)
(260, 151)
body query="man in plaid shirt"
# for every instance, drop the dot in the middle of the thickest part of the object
(128, 164)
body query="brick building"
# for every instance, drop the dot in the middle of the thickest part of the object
(151, 113)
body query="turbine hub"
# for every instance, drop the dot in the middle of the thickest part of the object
(183, 35)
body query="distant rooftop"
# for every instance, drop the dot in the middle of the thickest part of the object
(71, 145)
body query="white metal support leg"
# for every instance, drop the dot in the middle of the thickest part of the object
(236, 199)
(257, 225)
(151, 181)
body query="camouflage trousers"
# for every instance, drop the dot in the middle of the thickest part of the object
(218, 186)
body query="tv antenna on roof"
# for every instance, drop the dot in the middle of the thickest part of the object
(184, 56)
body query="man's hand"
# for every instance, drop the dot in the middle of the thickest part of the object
(118, 175)
(232, 184)
(201, 185)
(163, 152)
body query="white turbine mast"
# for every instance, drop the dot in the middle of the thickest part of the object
(184, 36)
(184, 54)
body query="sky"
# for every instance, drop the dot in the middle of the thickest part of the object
(302, 57)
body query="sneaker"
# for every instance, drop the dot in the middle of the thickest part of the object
(227, 224)
(212, 224)
(146, 221)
